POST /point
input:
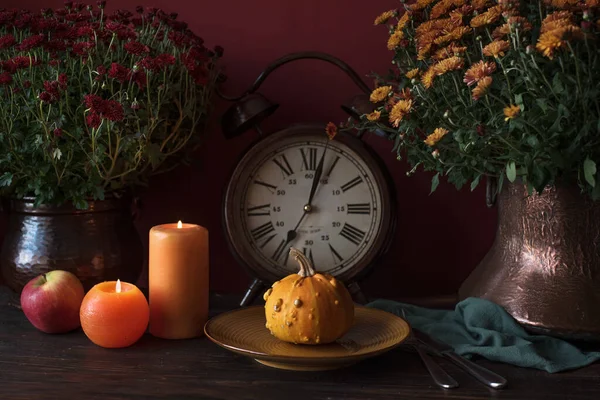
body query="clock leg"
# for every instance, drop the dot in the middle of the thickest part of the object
(255, 287)
(357, 294)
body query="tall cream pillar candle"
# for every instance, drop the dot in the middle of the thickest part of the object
(178, 280)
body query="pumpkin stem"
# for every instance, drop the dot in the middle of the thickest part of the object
(306, 268)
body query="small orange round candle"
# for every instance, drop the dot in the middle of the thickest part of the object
(114, 314)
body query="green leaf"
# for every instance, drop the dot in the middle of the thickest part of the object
(543, 104)
(589, 171)
(557, 85)
(6, 179)
(435, 181)
(511, 171)
(475, 182)
(519, 101)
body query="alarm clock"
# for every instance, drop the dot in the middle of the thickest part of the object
(330, 198)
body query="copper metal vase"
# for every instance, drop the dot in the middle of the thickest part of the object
(97, 244)
(544, 266)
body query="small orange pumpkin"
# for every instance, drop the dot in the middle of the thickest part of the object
(308, 307)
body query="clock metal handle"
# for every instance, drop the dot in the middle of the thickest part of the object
(294, 57)
(256, 286)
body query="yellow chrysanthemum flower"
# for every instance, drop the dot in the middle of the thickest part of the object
(380, 94)
(428, 77)
(482, 87)
(489, 17)
(479, 4)
(561, 3)
(403, 21)
(558, 19)
(436, 136)
(399, 111)
(460, 13)
(374, 116)
(496, 49)
(449, 64)
(384, 17)
(511, 112)
(413, 73)
(395, 39)
(423, 52)
(551, 41)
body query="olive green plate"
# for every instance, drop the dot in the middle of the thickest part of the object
(243, 331)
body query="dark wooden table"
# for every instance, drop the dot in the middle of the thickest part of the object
(34, 365)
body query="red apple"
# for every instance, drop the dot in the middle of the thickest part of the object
(52, 300)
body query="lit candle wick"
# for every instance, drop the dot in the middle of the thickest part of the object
(118, 288)
(179, 225)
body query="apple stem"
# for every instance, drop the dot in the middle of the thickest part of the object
(44, 278)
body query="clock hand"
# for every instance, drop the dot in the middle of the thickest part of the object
(291, 235)
(317, 177)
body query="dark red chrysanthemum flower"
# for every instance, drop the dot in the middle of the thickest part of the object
(30, 42)
(7, 41)
(119, 72)
(139, 9)
(148, 63)
(101, 70)
(57, 132)
(136, 48)
(85, 31)
(177, 38)
(163, 60)
(54, 63)
(20, 62)
(27, 84)
(83, 48)
(94, 102)
(55, 45)
(93, 120)
(113, 110)
(62, 81)
(5, 78)
(101, 3)
(140, 78)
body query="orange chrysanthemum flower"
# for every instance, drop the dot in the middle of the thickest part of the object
(423, 52)
(403, 21)
(428, 77)
(400, 110)
(456, 34)
(449, 64)
(420, 4)
(331, 130)
(459, 14)
(395, 39)
(551, 41)
(413, 73)
(384, 17)
(479, 4)
(482, 87)
(374, 116)
(501, 31)
(479, 71)
(561, 3)
(440, 8)
(489, 17)
(380, 94)
(558, 19)
(436, 136)
(452, 49)
(496, 48)
(511, 112)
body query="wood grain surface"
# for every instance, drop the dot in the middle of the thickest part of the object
(34, 365)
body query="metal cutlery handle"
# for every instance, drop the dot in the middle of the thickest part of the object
(440, 377)
(482, 374)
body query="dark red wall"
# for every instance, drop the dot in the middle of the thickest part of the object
(440, 238)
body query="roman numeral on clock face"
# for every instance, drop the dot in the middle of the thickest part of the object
(308, 253)
(350, 184)
(352, 233)
(333, 164)
(283, 163)
(359, 208)
(261, 231)
(309, 161)
(257, 211)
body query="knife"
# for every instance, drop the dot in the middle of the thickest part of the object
(480, 373)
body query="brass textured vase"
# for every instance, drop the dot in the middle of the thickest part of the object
(544, 266)
(97, 244)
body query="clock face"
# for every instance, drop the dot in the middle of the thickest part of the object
(269, 209)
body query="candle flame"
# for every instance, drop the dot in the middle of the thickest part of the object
(179, 225)
(118, 288)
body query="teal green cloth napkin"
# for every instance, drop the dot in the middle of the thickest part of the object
(478, 327)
